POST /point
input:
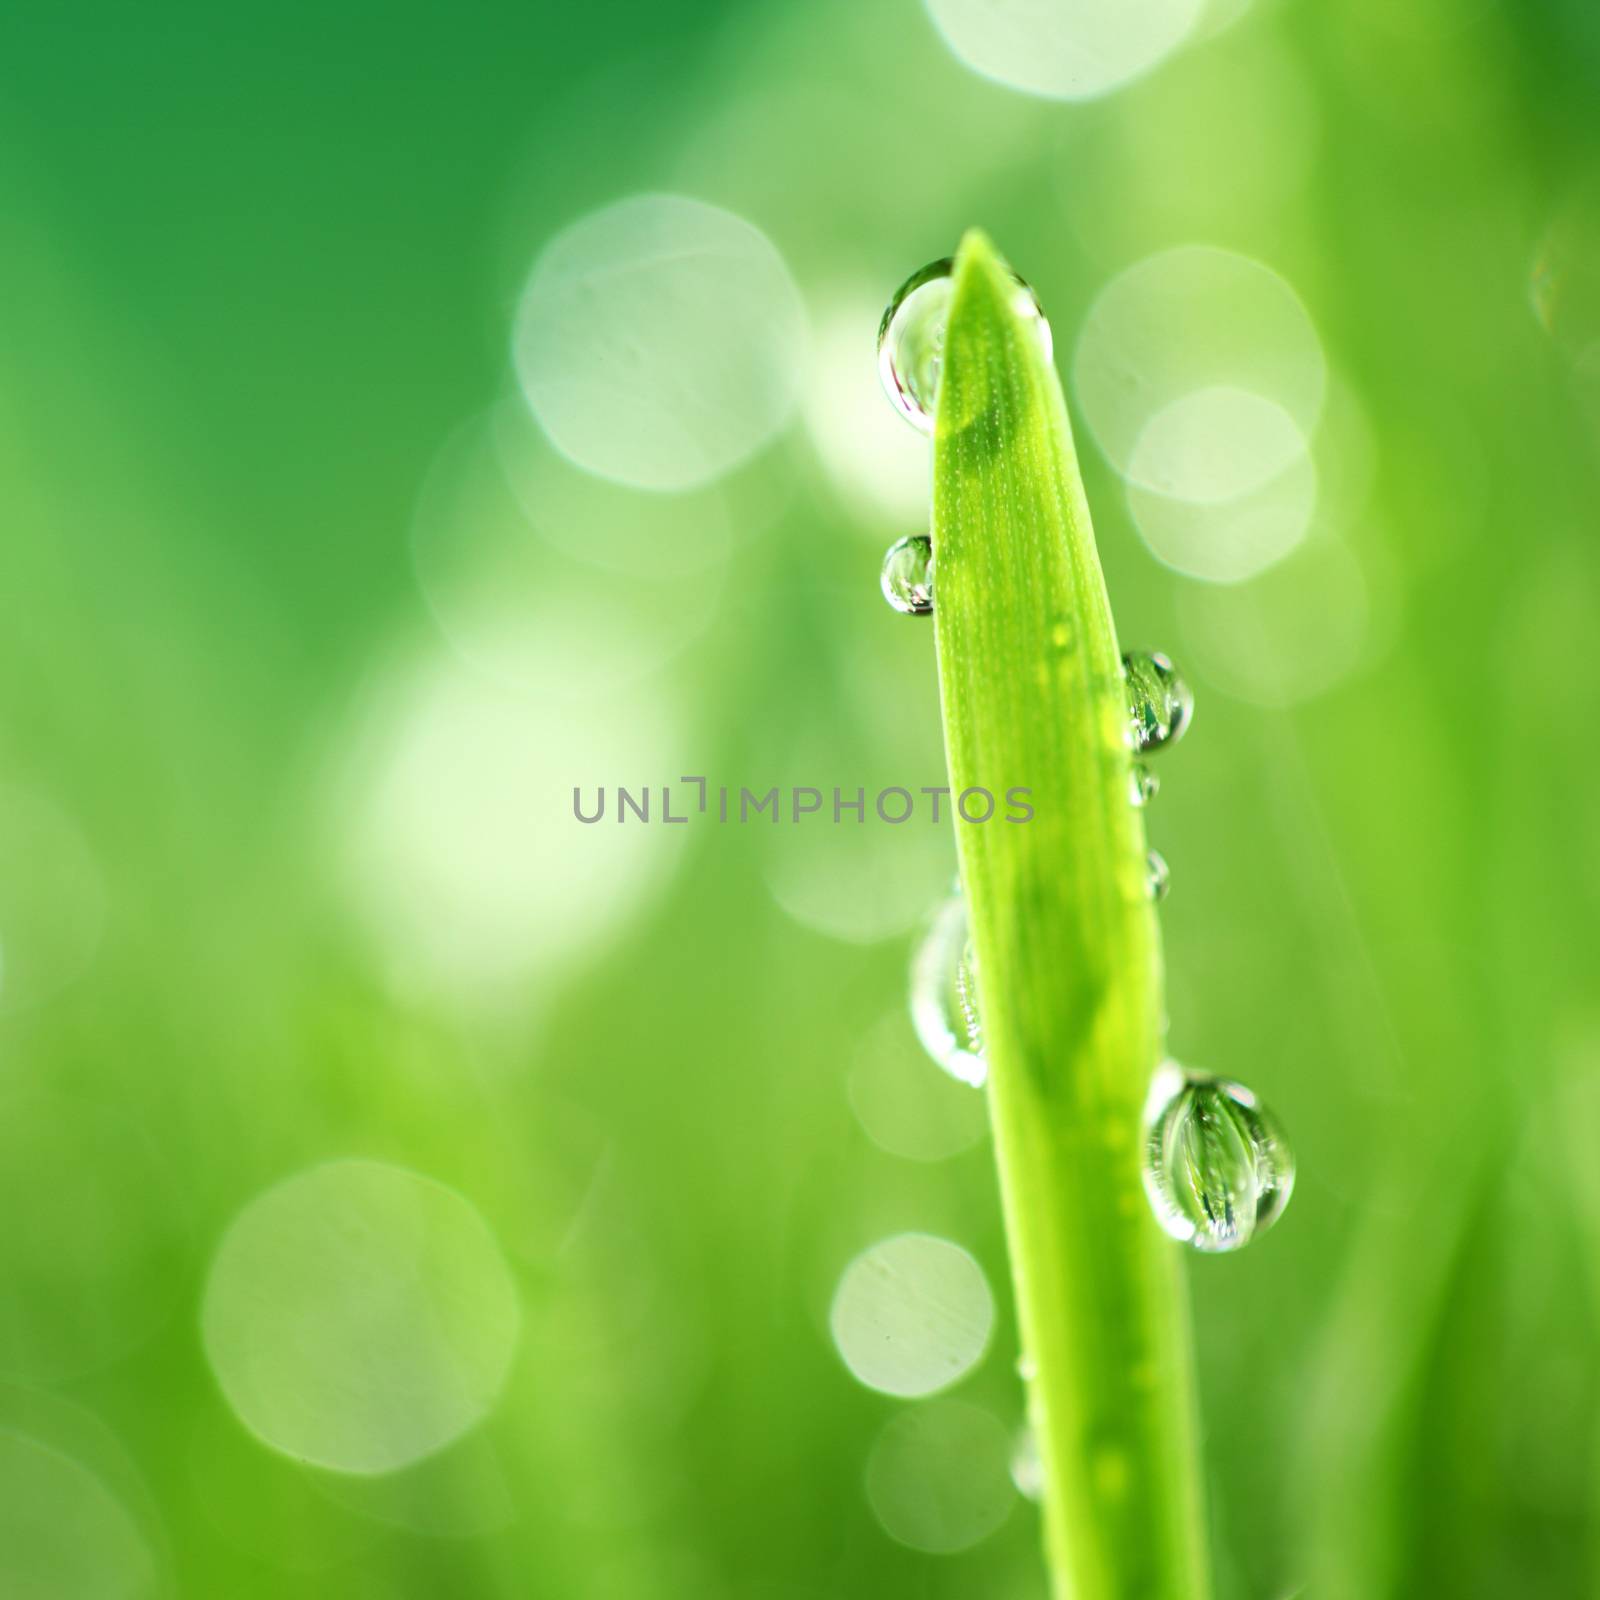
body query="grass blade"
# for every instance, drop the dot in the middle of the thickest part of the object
(1069, 960)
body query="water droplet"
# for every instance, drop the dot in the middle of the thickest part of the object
(1027, 1368)
(911, 339)
(1143, 784)
(1160, 706)
(944, 995)
(1158, 875)
(1027, 1470)
(1217, 1168)
(907, 576)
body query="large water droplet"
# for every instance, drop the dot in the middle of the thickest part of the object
(1158, 875)
(1160, 706)
(911, 339)
(907, 576)
(944, 995)
(1217, 1168)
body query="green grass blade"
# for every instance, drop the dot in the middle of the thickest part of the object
(1069, 960)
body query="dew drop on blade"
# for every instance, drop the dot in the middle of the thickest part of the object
(1143, 784)
(907, 576)
(1217, 1168)
(1027, 1470)
(1160, 706)
(944, 995)
(911, 339)
(1158, 875)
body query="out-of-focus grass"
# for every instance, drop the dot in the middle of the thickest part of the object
(260, 266)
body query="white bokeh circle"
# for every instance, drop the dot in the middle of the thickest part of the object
(63, 1534)
(456, 844)
(660, 341)
(1202, 378)
(1065, 49)
(939, 1477)
(1229, 541)
(912, 1315)
(1214, 444)
(1190, 320)
(359, 1316)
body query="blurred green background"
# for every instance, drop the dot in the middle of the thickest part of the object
(408, 1192)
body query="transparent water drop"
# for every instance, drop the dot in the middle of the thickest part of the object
(911, 339)
(907, 576)
(1158, 875)
(944, 995)
(1217, 1168)
(1027, 1470)
(1160, 706)
(1143, 784)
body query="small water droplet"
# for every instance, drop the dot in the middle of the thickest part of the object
(1160, 706)
(1158, 875)
(907, 576)
(1143, 784)
(944, 995)
(1027, 1368)
(911, 339)
(1027, 1470)
(1217, 1168)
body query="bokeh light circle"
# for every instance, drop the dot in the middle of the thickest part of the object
(1189, 320)
(1202, 378)
(457, 845)
(939, 1477)
(660, 341)
(360, 1316)
(1228, 541)
(912, 1315)
(1064, 49)
(63, 1534)
(1214, 444)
